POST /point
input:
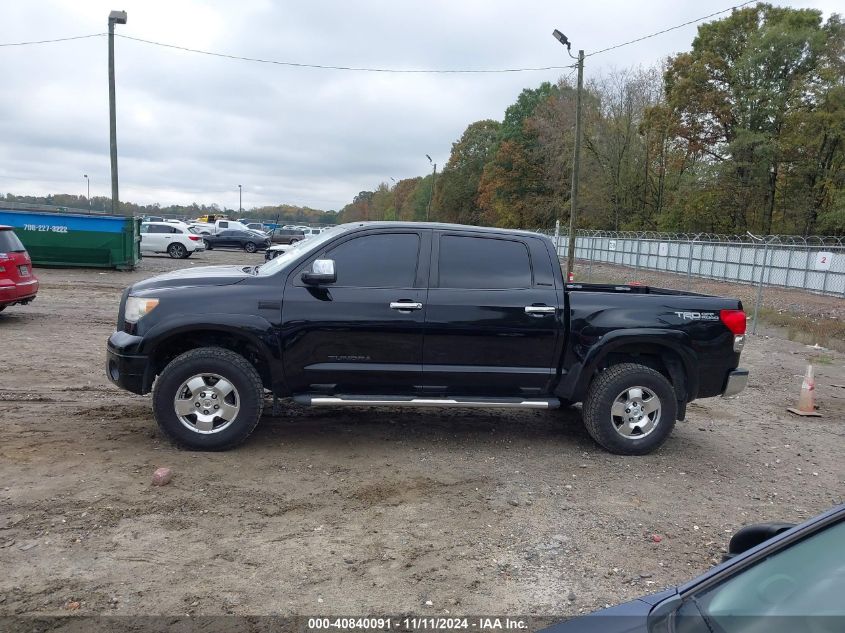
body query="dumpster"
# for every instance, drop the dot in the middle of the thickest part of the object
(67, 238)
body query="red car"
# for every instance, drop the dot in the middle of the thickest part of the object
(17, 281)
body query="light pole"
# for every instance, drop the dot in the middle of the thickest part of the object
(395, 206)
(88, 197)
(240, 200)
(115, 17)
(576, 162)
(433, 185)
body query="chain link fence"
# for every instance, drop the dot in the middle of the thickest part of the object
(811, 264)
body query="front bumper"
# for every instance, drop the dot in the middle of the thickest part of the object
(737, 381)
(128, 370)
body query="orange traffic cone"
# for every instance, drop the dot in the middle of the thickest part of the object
(806, 401)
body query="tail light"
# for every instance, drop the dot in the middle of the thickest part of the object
(194, 238)
(734, 320)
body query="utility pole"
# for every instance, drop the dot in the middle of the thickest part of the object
(576, 162)
(115, 17)
(433, 185)
(576, 168)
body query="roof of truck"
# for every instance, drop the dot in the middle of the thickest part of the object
(443, 226)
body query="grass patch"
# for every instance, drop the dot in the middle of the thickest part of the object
(809, 330)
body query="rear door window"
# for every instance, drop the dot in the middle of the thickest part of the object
(9, 243)
(483, 263)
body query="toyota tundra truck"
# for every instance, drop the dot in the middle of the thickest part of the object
(387, 314)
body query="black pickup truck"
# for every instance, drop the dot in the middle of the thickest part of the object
(420, 314)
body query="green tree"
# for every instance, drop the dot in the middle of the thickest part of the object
(736, 91)
(457, 186)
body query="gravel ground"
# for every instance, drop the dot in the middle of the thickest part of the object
(374, 510)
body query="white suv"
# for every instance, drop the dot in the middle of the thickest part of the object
(163, 237)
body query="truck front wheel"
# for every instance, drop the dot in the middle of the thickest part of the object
(630, 409)
(208, 398)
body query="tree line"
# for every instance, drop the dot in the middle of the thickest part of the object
(744, 132)
(282, 213)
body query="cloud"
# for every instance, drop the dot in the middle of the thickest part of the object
(192, 127)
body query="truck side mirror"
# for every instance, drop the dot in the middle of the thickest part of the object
(322, 272)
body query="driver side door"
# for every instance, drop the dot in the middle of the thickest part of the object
(362, 334)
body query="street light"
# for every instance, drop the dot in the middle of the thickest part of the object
(115, 17)
(433, 185)
(240, 199)
(576, 162)
(88, 197)
(560, 37)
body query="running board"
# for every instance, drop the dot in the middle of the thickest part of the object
(316, 400)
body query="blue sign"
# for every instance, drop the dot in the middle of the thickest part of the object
(61, 222)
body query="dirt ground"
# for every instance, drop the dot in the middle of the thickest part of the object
(336, 511)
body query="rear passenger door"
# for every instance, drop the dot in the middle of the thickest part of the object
(492, 316)
(158, 238)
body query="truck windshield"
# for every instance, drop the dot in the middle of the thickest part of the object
(299, 249)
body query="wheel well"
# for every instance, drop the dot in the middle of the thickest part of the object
(170, 348)
(659, 358)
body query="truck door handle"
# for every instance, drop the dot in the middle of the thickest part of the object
(405, 305)
(540, 310)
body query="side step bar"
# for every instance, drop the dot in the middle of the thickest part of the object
(318, 400)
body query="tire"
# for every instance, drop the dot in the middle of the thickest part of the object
(207, 245)
(177, 251)
(293, 242)
(207, 368)
(630, 429)
(249, 247)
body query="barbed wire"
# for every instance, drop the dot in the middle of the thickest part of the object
(832, 241)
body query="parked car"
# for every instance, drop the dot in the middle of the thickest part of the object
(229, 225)
(152, 218)
(201, 228)
(179, 223)
(255, 226)
(279, 249)
(18, 283)
(166, 237)
(250, 241)
(286, 236)
(777, 578)
(310, 233)
(339, 320)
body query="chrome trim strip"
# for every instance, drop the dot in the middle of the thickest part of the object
(516, 403)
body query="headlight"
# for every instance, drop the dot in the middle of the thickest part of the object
(136, 307)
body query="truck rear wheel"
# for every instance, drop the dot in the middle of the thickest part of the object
(630, 409)
(209, 399)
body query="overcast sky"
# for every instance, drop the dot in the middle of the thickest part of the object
(192, 127)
